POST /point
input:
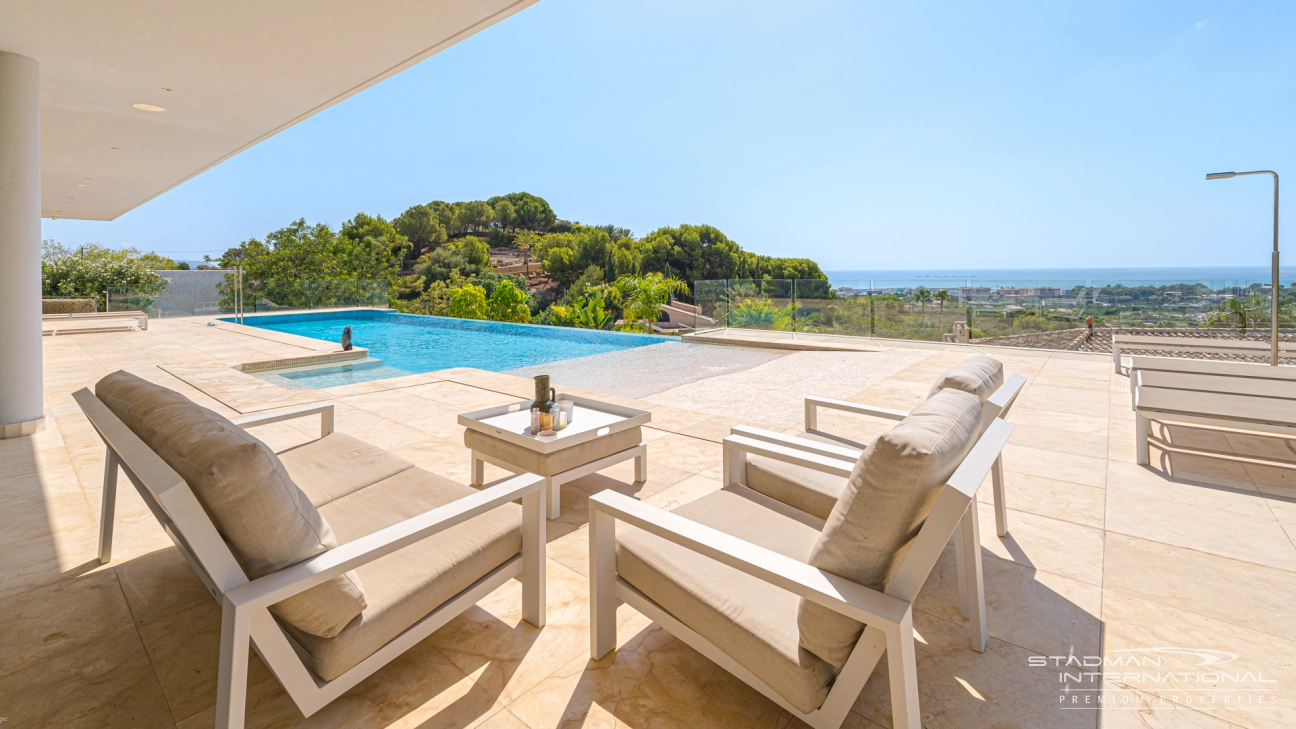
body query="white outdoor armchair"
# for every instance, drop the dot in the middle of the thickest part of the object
(815, 490)
(405, 534)
(732, 566)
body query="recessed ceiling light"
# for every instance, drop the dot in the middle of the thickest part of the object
(79, 184)
(114, 148)
(166, 89)
(148, 107)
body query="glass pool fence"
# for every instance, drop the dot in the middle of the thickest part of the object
(965, 309)
(209, 293)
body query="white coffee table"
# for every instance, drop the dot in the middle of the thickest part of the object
(600, 435)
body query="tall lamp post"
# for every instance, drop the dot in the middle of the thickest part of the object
(1273, 327)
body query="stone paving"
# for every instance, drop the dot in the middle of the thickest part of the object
(1105, 560)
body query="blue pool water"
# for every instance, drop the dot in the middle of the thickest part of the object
(408, 344)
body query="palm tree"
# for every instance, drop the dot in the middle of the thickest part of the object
(1237, 307)
(923, 296)
(942, 296)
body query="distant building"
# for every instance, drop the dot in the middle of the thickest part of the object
(968, 293)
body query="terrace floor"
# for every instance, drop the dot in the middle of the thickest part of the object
(1193, 556)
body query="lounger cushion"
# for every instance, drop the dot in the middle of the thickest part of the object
(888, 496)
(408, 584)
(331, 467)
(558, 461)
(752, 621)
(265, 519)
(806, 489)
(979, 374)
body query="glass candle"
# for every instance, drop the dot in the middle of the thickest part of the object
(566, 408)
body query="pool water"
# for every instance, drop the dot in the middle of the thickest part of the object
(407, 344)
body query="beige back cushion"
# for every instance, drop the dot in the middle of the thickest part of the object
(265, 519)
(980, 375)
(887, 498)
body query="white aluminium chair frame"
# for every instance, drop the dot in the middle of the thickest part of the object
(1242, 395)
(839, 461)
(245, 618)
(888, 616)
(997, 405)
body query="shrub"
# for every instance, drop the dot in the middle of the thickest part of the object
(86, 273)
(67, 306)
(508, 303)
(468, 302)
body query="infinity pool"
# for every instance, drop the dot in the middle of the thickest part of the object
(404, 344)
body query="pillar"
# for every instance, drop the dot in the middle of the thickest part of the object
(22, 409)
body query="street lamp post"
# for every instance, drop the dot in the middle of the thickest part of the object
(1273, 326)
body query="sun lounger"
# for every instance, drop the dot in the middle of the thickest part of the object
(87, 322)
(331, 559)
(797, 607)
(1238, 395)
(1191, 345)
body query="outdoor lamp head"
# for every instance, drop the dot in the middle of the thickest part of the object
(1220, 175)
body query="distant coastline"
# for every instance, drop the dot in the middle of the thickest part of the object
(1214, 276)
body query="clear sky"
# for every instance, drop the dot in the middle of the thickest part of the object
(865, 135)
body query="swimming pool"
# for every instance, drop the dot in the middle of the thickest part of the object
(409, 344)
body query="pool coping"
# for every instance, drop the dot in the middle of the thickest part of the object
(310, 359)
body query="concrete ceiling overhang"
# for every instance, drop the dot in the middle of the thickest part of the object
(228, 73)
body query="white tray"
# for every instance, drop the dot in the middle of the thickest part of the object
(590, 419)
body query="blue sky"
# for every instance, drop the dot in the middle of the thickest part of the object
(865, 135)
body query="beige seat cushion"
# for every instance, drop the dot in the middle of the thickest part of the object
(265, 519)
(406, 585)
(752, 621)
(811, 491)
(558, 461)
(331, 467)
(979, 375)
(893, 488)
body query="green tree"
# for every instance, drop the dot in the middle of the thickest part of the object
(475, 216)
(466, 257)
(530, 212)
(360, 241)
(509, 303)
(924, 297)
(643, 296)
(941, 297)
(422, 226)
(468, 302)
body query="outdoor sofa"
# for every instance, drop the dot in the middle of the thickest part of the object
(330, 559)
(799, 607)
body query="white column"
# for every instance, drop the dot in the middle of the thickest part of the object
(22, 410)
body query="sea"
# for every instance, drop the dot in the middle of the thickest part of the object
(1214, 276)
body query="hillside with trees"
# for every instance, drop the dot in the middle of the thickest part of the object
(436, 257)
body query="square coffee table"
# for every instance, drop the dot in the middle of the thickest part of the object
(600, 435)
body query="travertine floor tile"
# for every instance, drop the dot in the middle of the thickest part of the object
(1241, 593)
(1092, 445)
(651, 680)
(1054, 465)
(1047, 497)
(107, 684)
(1060, 547)
(1039, 611)
(1256, 670)
(1260, 540)
(959, 687)
(42, 624)
(506, 655)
